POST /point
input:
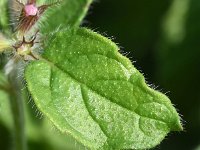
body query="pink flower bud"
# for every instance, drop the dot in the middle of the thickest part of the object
(30, 10)
(27, 14)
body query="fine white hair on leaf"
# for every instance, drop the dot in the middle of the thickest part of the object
(30, 100)
(39, 114)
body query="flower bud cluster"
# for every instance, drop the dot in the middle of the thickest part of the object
(26, 15)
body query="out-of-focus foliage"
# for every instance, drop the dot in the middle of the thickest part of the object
(3, 13)
(198, 148)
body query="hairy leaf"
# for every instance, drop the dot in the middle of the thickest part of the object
(88, 89)
(68, 12)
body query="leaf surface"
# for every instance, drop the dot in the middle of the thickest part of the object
(88, 89)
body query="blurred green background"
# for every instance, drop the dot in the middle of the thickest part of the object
(162, 38)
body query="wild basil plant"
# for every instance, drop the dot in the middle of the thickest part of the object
(77, 79)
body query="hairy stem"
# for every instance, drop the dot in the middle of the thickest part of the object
(18, 114)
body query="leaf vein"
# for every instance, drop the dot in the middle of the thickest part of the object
(75, 79)
(89, 111)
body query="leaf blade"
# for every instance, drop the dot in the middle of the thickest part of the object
(111, 92)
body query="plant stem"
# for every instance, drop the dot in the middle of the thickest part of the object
(18, 114)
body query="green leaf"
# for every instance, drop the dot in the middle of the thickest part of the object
(88, 89)
(68, 12)
(56, 140)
